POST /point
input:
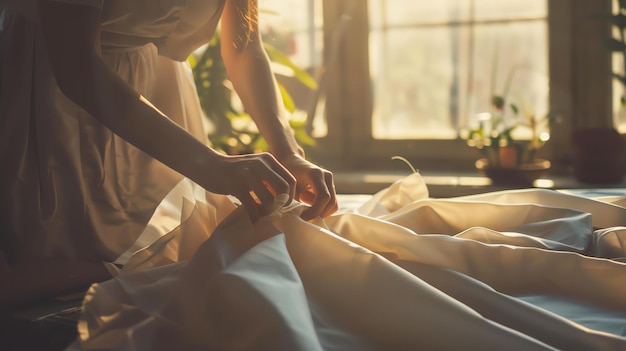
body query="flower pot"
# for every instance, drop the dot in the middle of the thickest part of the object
(508, 156)
(523, 174)
(598, 155)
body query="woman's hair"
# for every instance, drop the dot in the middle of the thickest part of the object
(250, 16)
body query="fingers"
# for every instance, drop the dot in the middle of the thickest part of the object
(285, 183)
(262, 178)
(288, 177)
(331, 206)
(248, 201)
(257, 180)
(320, 194)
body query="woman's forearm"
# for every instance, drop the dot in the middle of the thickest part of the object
(248, 68)
(137, 121)
(255, 84)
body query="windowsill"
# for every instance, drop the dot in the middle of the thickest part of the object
(441, 185)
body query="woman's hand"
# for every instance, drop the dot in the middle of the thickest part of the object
(250, 72)
(254, 179)
(315, 186)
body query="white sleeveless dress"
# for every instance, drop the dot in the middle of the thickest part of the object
(69, 187)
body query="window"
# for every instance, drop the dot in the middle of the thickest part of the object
(436, 64)
(405, 77)
(295, 26)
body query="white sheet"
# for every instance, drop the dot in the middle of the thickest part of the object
(499, 271)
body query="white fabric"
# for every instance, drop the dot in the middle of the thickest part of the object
(500, 271)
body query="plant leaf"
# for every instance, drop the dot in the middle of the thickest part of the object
(192, 61)
(507, 133)
(287, 100)
(497, 101)
(473, 134)
(302, 75)
(303, 137)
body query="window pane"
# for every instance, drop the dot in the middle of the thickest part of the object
(508, 9)
(295, 26)
(517, 53)
(414, 73)
(429, 80)
(403, 12)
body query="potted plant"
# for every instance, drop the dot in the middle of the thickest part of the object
(510, 135)
(509, 145)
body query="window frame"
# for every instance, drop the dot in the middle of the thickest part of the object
(573, 47)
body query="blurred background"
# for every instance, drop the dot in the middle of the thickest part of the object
(443, 83)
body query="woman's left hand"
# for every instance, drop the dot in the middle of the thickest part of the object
(314, 187)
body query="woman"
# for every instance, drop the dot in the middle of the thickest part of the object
(86, 84)
(74, 193)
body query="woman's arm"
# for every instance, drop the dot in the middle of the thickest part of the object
(72, 37)
(248, 68)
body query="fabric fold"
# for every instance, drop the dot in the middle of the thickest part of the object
(411, 277)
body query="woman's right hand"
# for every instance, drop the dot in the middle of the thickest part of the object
(254, 179)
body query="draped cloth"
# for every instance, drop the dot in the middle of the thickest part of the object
(513, 270)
